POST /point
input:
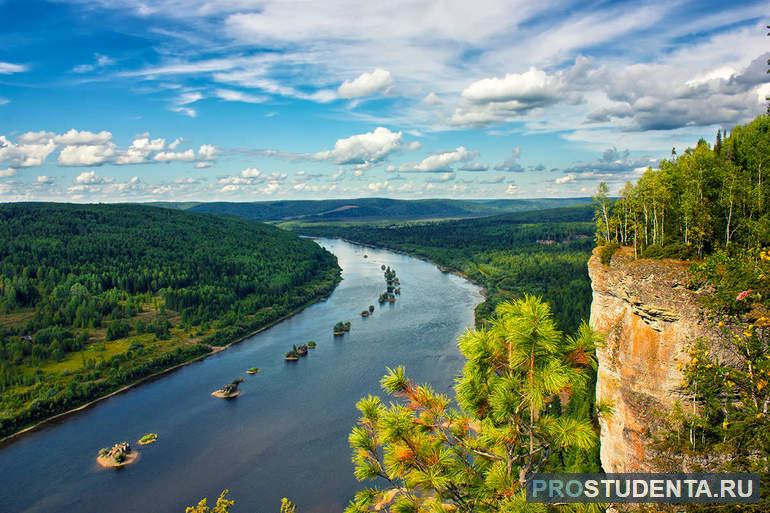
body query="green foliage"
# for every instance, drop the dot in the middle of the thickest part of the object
(698, 202)
(516, 392)
(607, 251)
(75, 276)
(540, 252)
(223, 505)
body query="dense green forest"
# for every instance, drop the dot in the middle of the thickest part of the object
(711, 204)
(706, 199)
(376, 208)
(93, 297)
(538, 252)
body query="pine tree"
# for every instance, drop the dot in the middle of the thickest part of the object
(510, 422)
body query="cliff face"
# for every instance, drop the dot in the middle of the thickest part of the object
(649, 317)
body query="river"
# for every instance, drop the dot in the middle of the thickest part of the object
(286, 435)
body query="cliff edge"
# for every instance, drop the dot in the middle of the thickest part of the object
(649, 317)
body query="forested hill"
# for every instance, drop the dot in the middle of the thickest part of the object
(540, 252)
(377, 208)
(96, 296)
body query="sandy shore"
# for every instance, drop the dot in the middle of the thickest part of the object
(108, 462)
(221, 395)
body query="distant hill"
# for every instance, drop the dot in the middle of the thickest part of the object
(375, 208)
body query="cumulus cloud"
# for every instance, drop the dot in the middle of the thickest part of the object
(611, 162)
(7, 173)
(372, 146)
(86, 154)
(25, 155)
(140, 149)
(44, 180)
(207, 152)
(654, 96)
(76, 137)
(378, 81)
(91, 178)
(496, 99)
(441, 162)
(175, 156)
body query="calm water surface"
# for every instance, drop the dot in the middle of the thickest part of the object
(286, 435)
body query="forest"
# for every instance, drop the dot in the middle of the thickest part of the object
(541, 252)
(709, 205)
(94, 297)
(709, 198)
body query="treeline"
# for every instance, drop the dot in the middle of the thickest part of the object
(708, 197)
(540, 253)
(72, 276)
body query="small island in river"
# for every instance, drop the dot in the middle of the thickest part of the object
(229, 391)
(119, 455)
(149, 438)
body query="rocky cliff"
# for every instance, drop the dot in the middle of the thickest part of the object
(649, 317)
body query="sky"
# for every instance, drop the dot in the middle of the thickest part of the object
(248, 100)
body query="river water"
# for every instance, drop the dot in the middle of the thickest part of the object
(286, 435)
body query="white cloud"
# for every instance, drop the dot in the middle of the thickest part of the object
(140, 149)
(207, 152)
(187, 111)
(86, 154)
(24, 155)
(493, 100)
(432, 99)
(91, 178)
(175, 156)
(251, 172)
(441, 162)
(189, 97)
(100, 61)
(512, 189)
(75, 137)
(35, 137)
(44, 180)
(238, 96)
(378, 81)
(362, 148)
(7, 68)
(7, 173)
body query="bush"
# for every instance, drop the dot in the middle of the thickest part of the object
(118, 329)
(607, 251)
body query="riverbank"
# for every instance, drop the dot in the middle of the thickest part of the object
(156, 375)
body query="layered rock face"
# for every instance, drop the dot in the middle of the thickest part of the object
(649, 317)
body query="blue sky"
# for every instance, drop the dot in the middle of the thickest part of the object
(177, 100)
